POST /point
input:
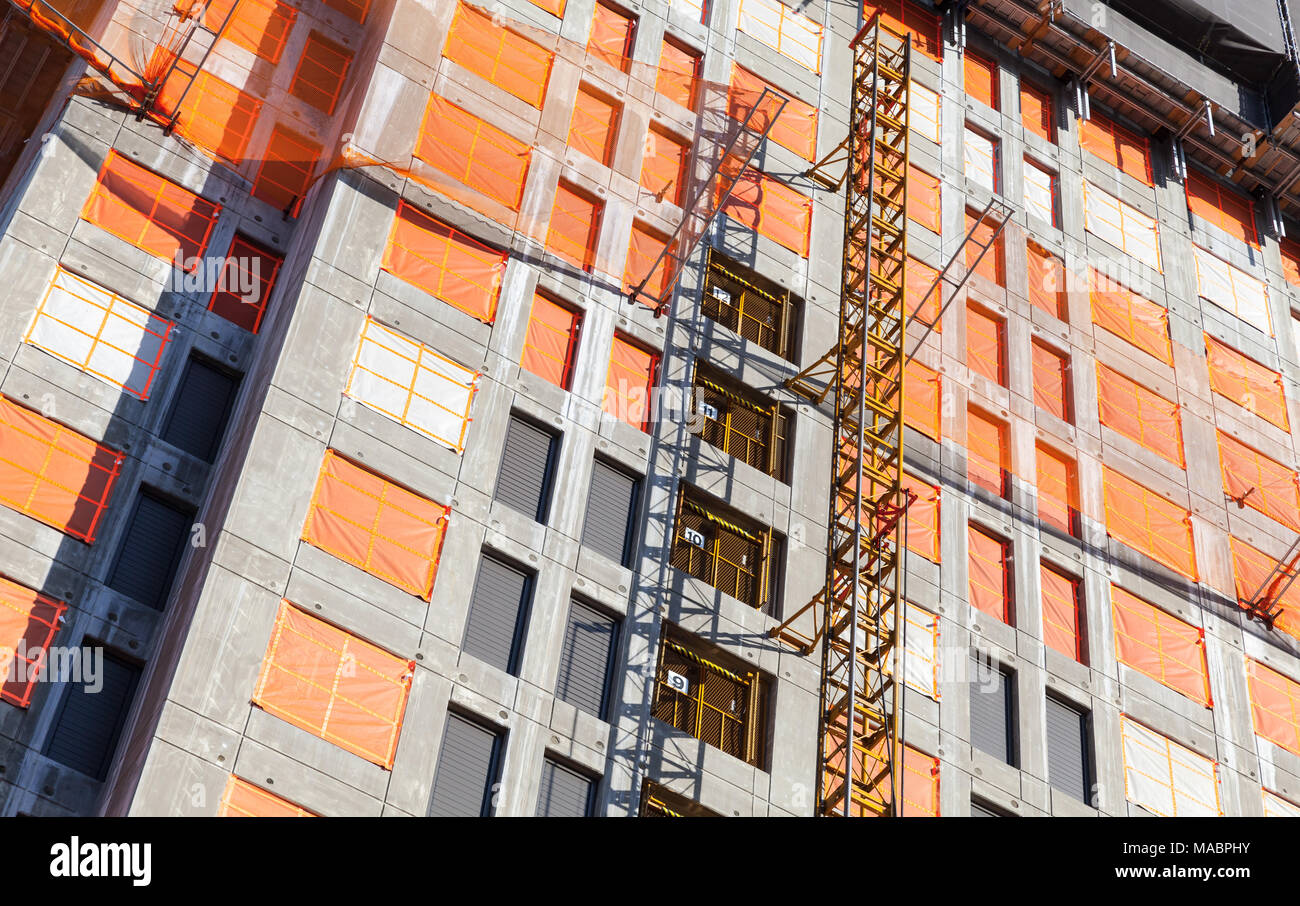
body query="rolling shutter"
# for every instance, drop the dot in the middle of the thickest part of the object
(611, 502)
(200, 410)
(90, 721)
(565, 793)
(524, 481)
(494, 631)
(990, 711)
(151, 549)
(979, 810)
(468, 766)
(1067, 755)
(585, 659)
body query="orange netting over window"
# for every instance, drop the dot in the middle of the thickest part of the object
(1222, 207)
(918, 775)
(261, 26)
(1149, 523)
(1058, 493)
(551, 341)
(1051, 381)
(356, 10)
(1274, 705)
(1246, 382)
(474, 153)
(796, 127)
(921, 394)
(594, 125)
(445, 263)
(663, 172)
(1061, 611)
(244, 800)
(923, 198)
(1290, 261)
(985, 341)
(286, 168)
(1124, 313)
(629, 382)
(554, 7)
(322, 69)
(1037, 113)
(922, 518)
(678, 78)
(1251, 569)
(612, 34)
(1260, 483)
(775, 210)
(28, 623)
(642, 253)
(1140, 414)
(993, 265)
(987, 461)
(989, 580)
(918, 278)
(574, 226)
(247, 278)
(903, 17)
(376, 525)
(981, 77)
(213, 113)
(334, 685)
(1160, 645)
(1046, 281)
(54, 474)
(1116, 146)
(501, 56)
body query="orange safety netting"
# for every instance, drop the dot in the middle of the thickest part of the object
(918, 278)
(474, 153)
(1058, 495)
(663, 172)
(247, 279)
(1121, 311)
(987, 462)
(992, 266)
(574, 226)
(1060, 611)
(1222, 207)
(1051, 381)
(551, 340)
(287, 167)
(989, 580)
(642, 253)
(54, 474)
(334, 685)
(796, 127)
(1037, 112)
(629, 382)
(678, 77)
(1290, 250)
(1246, 382)
(1251, 568)
(554, 7)
(922, 518)
(1140, 414)
(919, 777)
(903, 17)
(322, 70)
(1274, 705)
(498, 54)
(28, 623)
(790, 33)
(261, 26)
(922, 389)
(1160, 645)
(1046, 281)
(775, 210)
(611, 37)
(985, 340)
(444, 262)
(1260, 483)
(213, 113)
(244, 800)
(1149, 523)
(1116, 146)
(376, 525)
(923, 198)
(981, 78)
(354, 9)
(150, 212)
(594, 125)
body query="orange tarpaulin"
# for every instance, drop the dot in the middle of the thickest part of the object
(1046, 281)
(992, 266)
(918, 277)
(918, 774)
(663, 172)
(574, 226)
(1058, 496)
(213, 114)
(247, 278)
(261, 26)
(629, 382)
(1290, 261)
(922, 518)
(1246, 382)
(611, 38)
(902, 17)
(445, 263)
(1261, 483)
(1140, 414)
(594, 125)
(1251, 569)
(1116, 146)
(28, 623)
(984, 344)
(501, 56)
(54, 474)
(1160, 645)
(1060, 611)
(679, 73)
(986, 452)
(376, 525)
(1222, 207)
(287, 168)
(1051, 381)
(795, 129)
(1274, 705)
(989, 580)
(322, 69)
(981, 75)
(473, 152)
(641, 256)
(1126, 314)
(1036, 111)
(923, 198)
(353, 9)
(921, 394)
(551, 340)
(243, 800)
(775, 210)
(554, 7)
(334, 685)
(1149, 523)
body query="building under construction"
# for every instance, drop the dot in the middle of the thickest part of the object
(649, 408)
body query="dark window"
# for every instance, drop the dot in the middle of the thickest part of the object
(991, 710)
(1068, 769)
(742, 423)
(984, 810)
(754, 307)
(200, 410)
(527, 460)
(565, 793)
(151, 549)
(611, 508)
(586, 658)
(469, 766)
(92, 713)
(498, 612)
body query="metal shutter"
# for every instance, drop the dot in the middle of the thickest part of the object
(90, 720)
(524, 482)
(467, 770)
(990, 711)
(1067, 749)
(611, 502)
(496, 614)
(565, 793)
(150, 551)
(585, 659)
(200, 410)
(983, 811)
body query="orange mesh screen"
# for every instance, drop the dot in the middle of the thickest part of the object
(920, 785)
(984, 343)
(321, 70)
(1140, 414)
(286, 169)
(1149, 523)
(679, 74)
(28, 623)
(981, 78)
(1246, 382)
(445, 263)
(54, 474)
(1160, 645)
(1222, 207)
(773, 209)
(1051, 387)
(247, 278)
(990, 590)
(986, 452)
(1058, 496)
(506, 59)
(333, 685)
(213, 114)
(922, 518)
(376, 525)
(1046, 281)
(150, 212)
(594, 125)
(551, 340)
(261, 26)
(574, 227)
(243, 800)
(923, 198)
(554, 7)
(905, 18)
(1126, 314)
(1252, 568)
(663, 172)
(1060, 611)
(1261, 483)
(918, 277)
(1116, 146)
(1290, 261)
(473, 152)
(1274, 705)
(1036, 113)
(921, 394)
(641, 256)
(629, 382)
(991, 265)
(796, 127)
(353, 9)
(611, 37)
